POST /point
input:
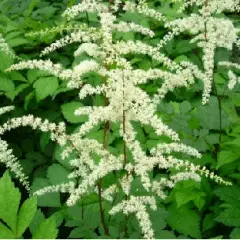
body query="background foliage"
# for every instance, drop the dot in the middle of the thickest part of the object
(192, 210)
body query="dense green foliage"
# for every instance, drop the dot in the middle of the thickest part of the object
(19, 218)
(192, 210)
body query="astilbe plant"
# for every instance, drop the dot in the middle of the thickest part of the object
(127, 104)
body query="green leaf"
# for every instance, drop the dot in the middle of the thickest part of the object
(128, 36)
(31, 6)
(184, 46)
(233, 144)
(99, 100)
(16, 91)
(91, 213)
(186, 195)
(48, 199)
(185, 107)
(28, 98)
(5, 232)
(137, 187)
(158, 219)
(140, 133)
(46, 12)
(181, 58)
(59, 217)
(6, 85)
(12, 35)
(9, 201)
(68, 110)
(37, 220)
(152, 143)
(184, 220)
(208, 222)
(114, 231)
(84, 232)
(45, 87)
(37, 157)
(164, 234)
(15, 42)
(227, 157)
(230, 217)
(222, 54)
(26, 214)
(99, 135)
(78, 232)
(6, 61)
(34, 74)
(211, 110)
(16, 76)
(219, 79)
(235, 234)
(46, 230)
(44, 140)
(57, 174)
(229, 194)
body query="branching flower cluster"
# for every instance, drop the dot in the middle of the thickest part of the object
(210, 31)
(127, 103)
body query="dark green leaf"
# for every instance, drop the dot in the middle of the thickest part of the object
(45, 87)
(68, 110)
(185, 221)
(46, 230)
